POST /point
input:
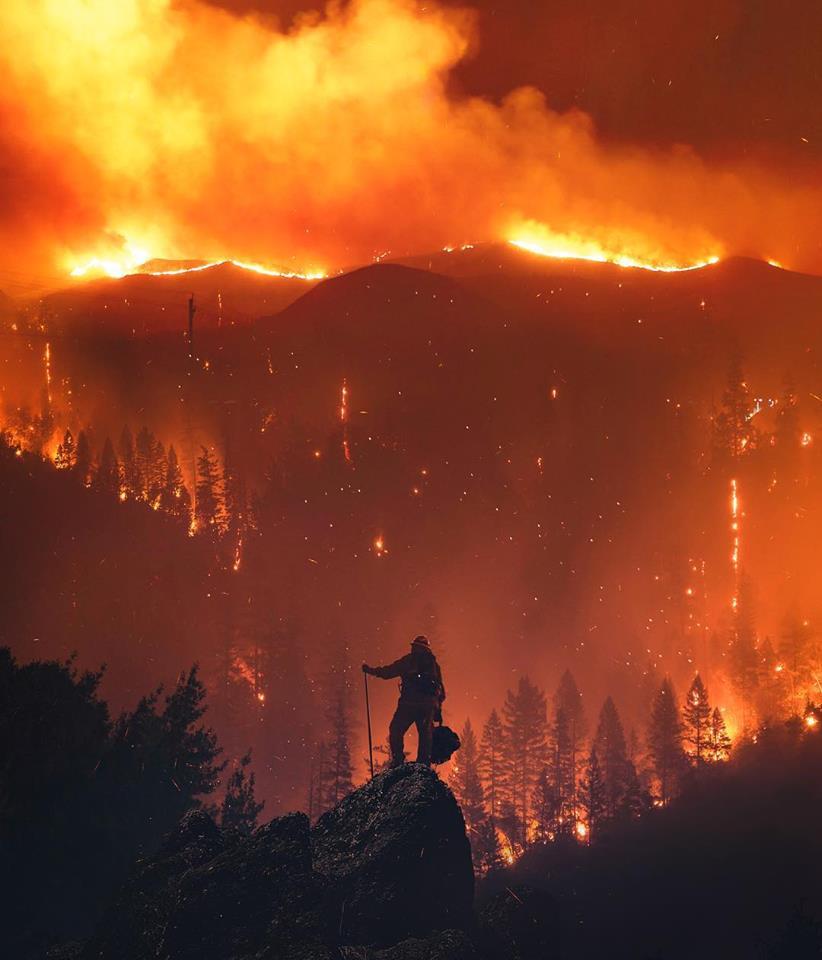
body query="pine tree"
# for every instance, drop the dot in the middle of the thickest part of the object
(492, 764)
(796, 655)
(665, 741)
(696, 715)
(593, 793)
(336, 777)
(107, 477)
(66, 456)
(174, 497)
(133, 482)
(209, 502)
(734, 434)
(545, 808)
(743, 656)
(466, 782)
(83, 459)
(486, 847)
(240, 811)
(151, 460)
(524, 719)
(568, 699)
(562, 774)
(615, 768)
(719, 743)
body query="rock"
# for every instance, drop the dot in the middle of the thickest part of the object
(398, 858)
(259, 898)
(133, 927)
(448, 945)
(391, 863)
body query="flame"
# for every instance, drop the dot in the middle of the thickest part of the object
(131, 263)
(624, 252)
(327, 141)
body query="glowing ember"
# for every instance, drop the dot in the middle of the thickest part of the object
(806, 440)
(380, 548)
(736, 540)
(811, 721)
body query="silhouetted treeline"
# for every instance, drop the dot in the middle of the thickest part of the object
(83, 795)
(727, 870)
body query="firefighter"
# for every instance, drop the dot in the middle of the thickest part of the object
(421, 695)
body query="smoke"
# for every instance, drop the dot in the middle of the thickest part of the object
(153, 128)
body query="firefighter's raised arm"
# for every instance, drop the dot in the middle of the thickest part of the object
(396, 669)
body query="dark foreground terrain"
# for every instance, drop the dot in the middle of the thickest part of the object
(730, 870)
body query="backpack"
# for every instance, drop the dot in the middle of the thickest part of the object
(444, 743)
(425, 684)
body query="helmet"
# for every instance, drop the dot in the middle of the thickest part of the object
(421, 642)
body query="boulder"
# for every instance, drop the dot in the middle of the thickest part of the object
(390, 864)
(397, 857)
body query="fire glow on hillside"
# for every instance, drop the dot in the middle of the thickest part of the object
(290, 148)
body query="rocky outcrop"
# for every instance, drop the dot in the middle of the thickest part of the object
(398, 858)
(386, 874)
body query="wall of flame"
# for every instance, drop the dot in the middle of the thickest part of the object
(178, 129)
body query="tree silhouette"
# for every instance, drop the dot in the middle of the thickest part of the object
(696, 715)
(568, 699)
(492, 764)
(615, 769)
(665, 741)
(107, 477)
(240, 811)
(66, 456)
(719, 743)
(174, 497)
(593, 793)
(465, 780)
(209, 501)
(83, 458)
(524, 723)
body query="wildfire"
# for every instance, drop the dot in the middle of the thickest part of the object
(736, 540)
(544, 242)
(132, 260)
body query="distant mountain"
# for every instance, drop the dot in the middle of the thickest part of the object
(145, 303)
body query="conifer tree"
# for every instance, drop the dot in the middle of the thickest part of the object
(615, 769)
(562, 774)
(544, 807)
(734, 434)
(525, 723)
(743, 656)
(174, 497)
(796, 655)
(665, 741)
(719, 743)
(107, 477)
(336, 777)
(593, 792)
(83, 460)
(568, 699)
(240, 811)
(209, 502)
(151, 460)
(66, 452)
(133, 483)
(492, 765)
(466, 782)
(696, 715)
(486, 847)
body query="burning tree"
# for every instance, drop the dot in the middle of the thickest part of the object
(492, 764)
(209, 501)
(718, 741)
(696, 715)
